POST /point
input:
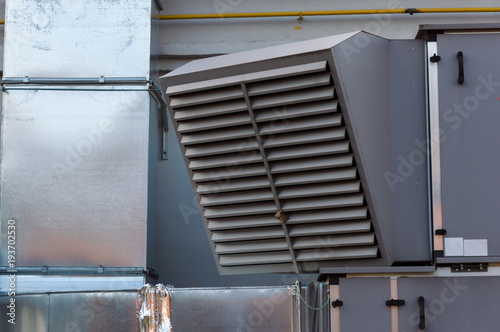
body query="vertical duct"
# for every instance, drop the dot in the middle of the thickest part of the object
(80, 136)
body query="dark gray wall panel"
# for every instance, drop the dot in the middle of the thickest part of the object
(469, 118)
(364, 306)
(451, 304)
(408, 178)
(362, 68)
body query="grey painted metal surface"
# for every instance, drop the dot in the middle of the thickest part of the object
(232, 309)
(469, 152)
(408, 178)
(75, 177)
(451, 304)
(364, 306)
(362, 69)
(87, 39)
(95, 311)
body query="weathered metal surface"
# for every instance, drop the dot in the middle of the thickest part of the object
(86, 38)
(75, 177)
(84, 312)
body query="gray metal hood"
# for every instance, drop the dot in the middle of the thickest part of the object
(289, 150)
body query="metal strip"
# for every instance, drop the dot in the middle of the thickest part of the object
(437, 211)
(75, 80)
(394, 309)
(335, 312)
(269, 175)
(92, 271)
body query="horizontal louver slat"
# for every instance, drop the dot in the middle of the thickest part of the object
(322, 202)
(237, 197)
(231, 159)
(327, 215)
(211, 149)
(229, 120)
(295, 111)
(217, 135)
(196, 112)
(309, 164)
(282, 126)
(334, 241)
(243, 222)
(229, 173)
(319, 189)
(205, 97)
(289, 83)
(251, 246)
(293, 97)
(248, 234)
(304, 137)
(240, 210)
(307, 150)
(257, 258)
(340, 227)
(314, 177)
(232, 185)
(340, 253)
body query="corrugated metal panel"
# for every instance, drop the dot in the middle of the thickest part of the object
(286, 150)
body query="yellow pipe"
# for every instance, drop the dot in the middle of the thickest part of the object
(333, 12)
(2, 21)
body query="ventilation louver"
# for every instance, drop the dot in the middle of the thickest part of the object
(273, 168)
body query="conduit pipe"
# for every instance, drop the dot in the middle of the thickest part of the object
(301, 14)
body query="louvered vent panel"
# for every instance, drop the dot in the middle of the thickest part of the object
(270, 141)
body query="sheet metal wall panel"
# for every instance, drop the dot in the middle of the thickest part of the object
(451, 304)
(90, 312)
(238, 309)
(362, 69)
(469, 120)
(84, 312)
(85, 38)
(364, 306)
(32, 313)
(408, 178)
(74, 177)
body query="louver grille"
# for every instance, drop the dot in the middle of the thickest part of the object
(272, 141)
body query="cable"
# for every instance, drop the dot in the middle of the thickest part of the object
(307, 305)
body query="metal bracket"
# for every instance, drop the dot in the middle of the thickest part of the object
(435, 58)
(337, 303)
(158, 96)
(477, 267)
(396, 303)
(159, 5)
(440, 231)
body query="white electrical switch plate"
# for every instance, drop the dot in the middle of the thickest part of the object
(454, 246)
(475, 247)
